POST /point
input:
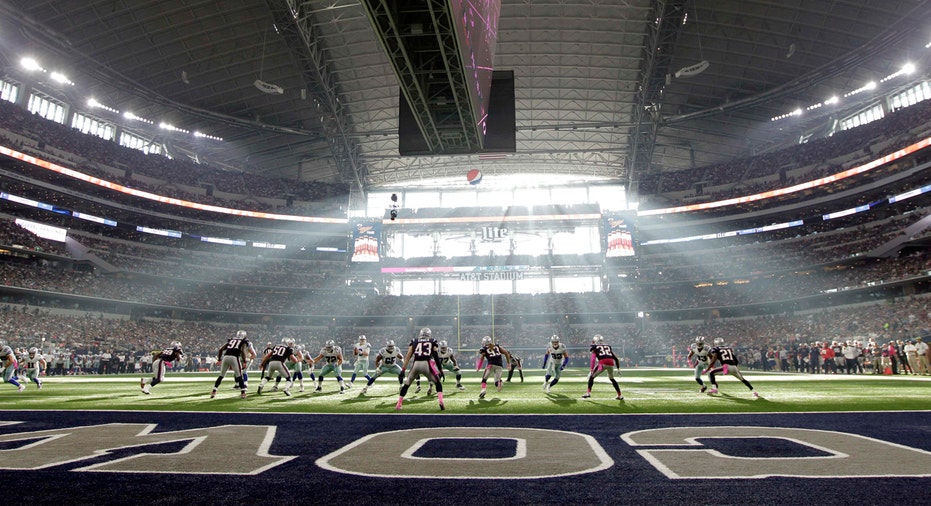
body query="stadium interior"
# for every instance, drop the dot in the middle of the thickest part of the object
(652, 171)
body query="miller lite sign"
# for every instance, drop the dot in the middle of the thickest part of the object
(494, 234)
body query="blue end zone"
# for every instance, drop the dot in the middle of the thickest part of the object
(632, 472)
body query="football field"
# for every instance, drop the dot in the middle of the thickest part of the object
(644, 390)
(808, 439)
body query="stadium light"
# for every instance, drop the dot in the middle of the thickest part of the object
(31, 64)
(94, 104)
(58, 77)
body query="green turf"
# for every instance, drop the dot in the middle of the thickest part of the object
(645, 391)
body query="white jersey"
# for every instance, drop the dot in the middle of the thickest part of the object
(446, 357)
(701, 355)
(557, 352)
(361, 351)
(332, 356)
(34, 361)
(390, 357)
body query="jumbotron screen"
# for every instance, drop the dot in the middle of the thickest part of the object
(477, 31)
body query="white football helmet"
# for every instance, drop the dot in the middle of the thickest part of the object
(426, 333)
(362, 339)
(598, 339)
(719, 341)
(390, 345)
(700, 340)
(288, 342)
(486, 340)
(241, 334)
(443, 345)
(554, 340)
(330, 344)
(33, 351)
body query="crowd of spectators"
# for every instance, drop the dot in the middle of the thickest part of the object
(98, 344)
(808, 161)
(108, 160)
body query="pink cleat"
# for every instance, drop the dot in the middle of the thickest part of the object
(397, 406)
(755, 394)
(713, 391)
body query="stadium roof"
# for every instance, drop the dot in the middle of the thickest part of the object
(597, 91)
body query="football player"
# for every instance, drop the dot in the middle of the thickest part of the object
(554, 361)
(421, 359)
(729, 363)
(280, 355)
(360, 352)
(603, 359)
(515, 363)
(161, 360)
(234, 352)
(265, 353)
(295, 367)
(449, 363)
(8, 359)
(310, 365)
(332, 357)
(35, 364)
(698, 358)
(495, 356)
(388, 360)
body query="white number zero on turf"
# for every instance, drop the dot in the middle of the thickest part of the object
(539, 453)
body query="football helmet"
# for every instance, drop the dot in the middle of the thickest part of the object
(426, 333)
(362, 339)
(554, 340)
(719, 341)
(486, 340)
(700, 340)
(598, 339)
(288, 342)
(241, 334)
(33, 351)
(443, 345)
(330, 344)
(389, 345)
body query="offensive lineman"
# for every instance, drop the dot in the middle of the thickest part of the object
(422, 360)
(332, 356)
(603, 359)
(35, 364)
(493, 354)
(554, 361)
(698, 356)
(729, 362)
(388, 360)
(232, 355)
(360, 352)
